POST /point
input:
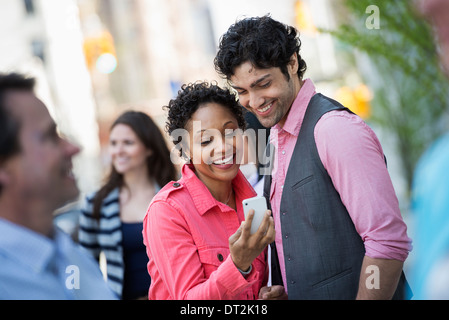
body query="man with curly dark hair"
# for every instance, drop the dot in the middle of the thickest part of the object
(198, 242)
(338, 225)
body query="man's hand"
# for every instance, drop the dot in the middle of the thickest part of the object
(273, 293)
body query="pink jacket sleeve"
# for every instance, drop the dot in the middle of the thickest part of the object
(175, 255)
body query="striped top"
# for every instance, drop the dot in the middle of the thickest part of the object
(105, 235)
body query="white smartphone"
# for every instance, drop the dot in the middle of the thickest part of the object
(259, 205)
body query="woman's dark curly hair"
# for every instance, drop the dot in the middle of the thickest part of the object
(263, 41)
(191, 97)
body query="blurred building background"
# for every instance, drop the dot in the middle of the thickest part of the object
(97, 58)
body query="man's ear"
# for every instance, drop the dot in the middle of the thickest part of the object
(293, 64)
(6, 170)
(4, 176)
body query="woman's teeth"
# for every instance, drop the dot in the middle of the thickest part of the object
(224, 161)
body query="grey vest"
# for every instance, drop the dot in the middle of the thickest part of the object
(323, 252)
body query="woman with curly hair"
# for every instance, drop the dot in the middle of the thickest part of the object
(198, 244)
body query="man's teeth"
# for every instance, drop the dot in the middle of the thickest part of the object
(265, 108)
(229, 159)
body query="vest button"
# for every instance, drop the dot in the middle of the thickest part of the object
(176, 184)
(220, 257)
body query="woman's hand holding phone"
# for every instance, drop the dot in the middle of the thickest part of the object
(245, 246)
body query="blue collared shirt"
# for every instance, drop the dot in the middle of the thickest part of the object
(33, 266)
(430, 206)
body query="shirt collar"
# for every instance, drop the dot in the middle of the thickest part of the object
(203, 199)
(298, 109)
(26, 246)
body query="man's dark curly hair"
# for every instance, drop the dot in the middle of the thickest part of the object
(263, 41)
(191, 97)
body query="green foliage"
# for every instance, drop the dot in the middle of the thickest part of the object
(410, 91)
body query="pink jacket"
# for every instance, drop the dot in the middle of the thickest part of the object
(186, 234)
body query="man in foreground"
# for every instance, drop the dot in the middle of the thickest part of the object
(37, 261)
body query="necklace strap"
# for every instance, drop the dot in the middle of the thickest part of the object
(229, 197)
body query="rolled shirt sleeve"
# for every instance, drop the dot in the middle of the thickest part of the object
(354, 159)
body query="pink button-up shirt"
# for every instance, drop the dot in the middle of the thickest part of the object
(186, 232)
(353, 158)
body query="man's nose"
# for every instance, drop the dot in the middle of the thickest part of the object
(72, 148)
(255, 100)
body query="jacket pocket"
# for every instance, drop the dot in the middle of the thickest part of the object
(211, 258)
(333, 278)
(302, 182)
